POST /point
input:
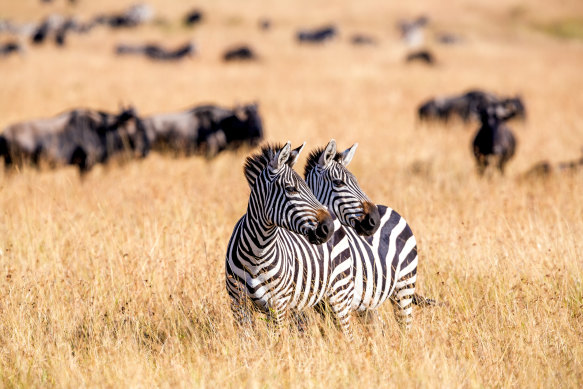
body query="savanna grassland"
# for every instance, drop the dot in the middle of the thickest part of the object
(117, 280)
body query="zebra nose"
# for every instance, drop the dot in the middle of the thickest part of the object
(371, 220)
(322, 230)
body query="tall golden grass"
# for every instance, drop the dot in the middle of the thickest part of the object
(117, 280)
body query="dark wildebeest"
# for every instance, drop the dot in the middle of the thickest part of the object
(546, 169)
(264, 24)
(317, 35)
(465, 106)
(93, 137)
(20, 141)
(45, 28)
(494, 139)
(361, 39)
(132, 17)
(71, 25)
(448, 39)
(412, 30)
(193, 17)
(423, 56)
(57, 27)
(9, 48)
(239, 53)
(204, 130)
(81, 137)
(156, 52)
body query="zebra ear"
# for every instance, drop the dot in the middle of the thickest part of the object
(328, 154)
(281, 157)
(295, 153)
(348, 154)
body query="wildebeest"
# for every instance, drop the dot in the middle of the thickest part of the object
(361, 39)
(239, 53)
(264, 24)
(465, 106)
(81, 137)
(132, 17)
(205, 130)
(424, 56)
(448, 38)
(412, 30)
(57, 27)
(494, 139)
(546, 168)
(317, 35)
(46, 28)
(71, 25)
(10, 48)
(156, 52)
(193, 17)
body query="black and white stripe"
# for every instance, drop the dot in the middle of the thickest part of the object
(385, 260)
(286, 253)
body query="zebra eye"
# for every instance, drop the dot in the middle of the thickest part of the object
(338, 183)
(291, 189)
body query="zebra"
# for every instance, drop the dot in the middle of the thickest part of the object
(382, 244)
(287, 252)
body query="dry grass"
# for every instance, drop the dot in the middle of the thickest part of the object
(118, 280)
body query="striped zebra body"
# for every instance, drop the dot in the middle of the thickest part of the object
(295, 274)
(286, 253)
(381, 242)
(385, 265)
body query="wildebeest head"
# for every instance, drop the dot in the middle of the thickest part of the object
(127, 131)
(492, 114)
(516, 106)
(244, 125)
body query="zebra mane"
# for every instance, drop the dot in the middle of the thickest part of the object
(314, 157)
(254, 164)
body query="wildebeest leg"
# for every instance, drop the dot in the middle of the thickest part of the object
(5, 153)
(502, 162)
(79, 159)
(482, 164)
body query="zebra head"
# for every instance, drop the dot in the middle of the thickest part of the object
(337, 188)
(280, 197)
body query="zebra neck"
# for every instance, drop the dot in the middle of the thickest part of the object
(260, 236)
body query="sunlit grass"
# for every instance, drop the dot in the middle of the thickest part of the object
(118, 280)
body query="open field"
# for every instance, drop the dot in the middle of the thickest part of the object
(118, 280)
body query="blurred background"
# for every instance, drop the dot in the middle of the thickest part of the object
(115, 277)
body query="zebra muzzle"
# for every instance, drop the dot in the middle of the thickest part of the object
(370, 221)
(323, 230)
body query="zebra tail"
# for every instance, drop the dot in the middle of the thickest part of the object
(421, 301)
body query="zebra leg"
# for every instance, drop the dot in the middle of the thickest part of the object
(239, 303)
(300, 319)
(276, 317)
(342, 315)
(339, 303)
(402, 300)
(241, 312)
(371, 317)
